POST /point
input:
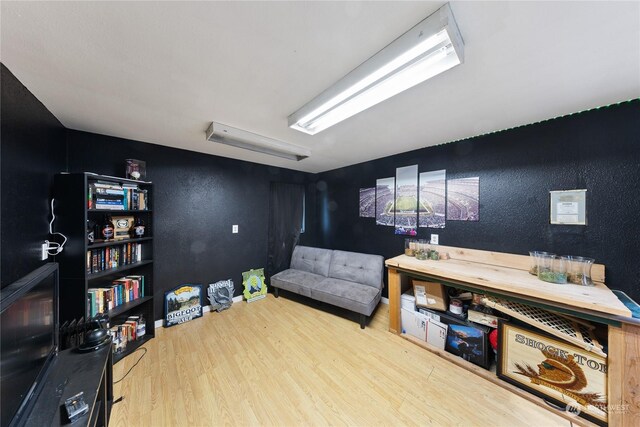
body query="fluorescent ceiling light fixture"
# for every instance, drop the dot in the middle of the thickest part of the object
(426, 50)
(223, 134)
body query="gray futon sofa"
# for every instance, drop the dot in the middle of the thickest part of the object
(345, 279)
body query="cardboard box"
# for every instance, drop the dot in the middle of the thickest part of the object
(437, 333)
(483, 318)
(414, 324)
(430, 295)
(408, 301)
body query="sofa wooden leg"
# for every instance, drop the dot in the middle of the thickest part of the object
(363, 321)
(275, 292)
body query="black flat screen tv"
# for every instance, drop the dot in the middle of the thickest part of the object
(29, 340)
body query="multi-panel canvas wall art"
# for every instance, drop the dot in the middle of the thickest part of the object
(368, 202)
(385, 190)
(463, 196)
(433, 202)
(405, 206)
(412, 200)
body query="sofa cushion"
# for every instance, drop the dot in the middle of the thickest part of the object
(356, 267)
(296, 281)
(311, 260)
(350, 295)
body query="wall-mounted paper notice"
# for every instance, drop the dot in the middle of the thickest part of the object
(569, 207)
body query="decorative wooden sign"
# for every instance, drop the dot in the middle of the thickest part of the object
(122, 226)
(182, 304)
(564, 374)
(255, 287)
(221, 294)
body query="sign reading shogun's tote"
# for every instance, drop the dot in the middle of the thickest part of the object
(557, 371)
(182, 304)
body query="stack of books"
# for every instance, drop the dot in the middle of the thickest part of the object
(113, 257)
(134, 198)
(121, 291)
(133, 329)
(106, 196)
(116, 197)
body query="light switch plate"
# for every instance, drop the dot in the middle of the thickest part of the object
(234, 228)
(434, 239)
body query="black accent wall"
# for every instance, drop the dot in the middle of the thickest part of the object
(32, 150)
(598, 150)
(197, 198)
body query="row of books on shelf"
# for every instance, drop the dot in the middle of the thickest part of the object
(133, 329)
(120, 291)
(116, 197)
(113, 257)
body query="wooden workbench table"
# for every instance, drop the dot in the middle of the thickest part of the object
(506, 276)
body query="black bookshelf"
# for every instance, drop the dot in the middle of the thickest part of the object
(118, 271)
(115, 212)
(96, 245)
(121, 309)
(131, 347)
(73, 212)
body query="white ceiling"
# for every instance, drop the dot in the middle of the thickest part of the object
(160, 72)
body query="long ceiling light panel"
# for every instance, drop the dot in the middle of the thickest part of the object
(426, 50)
(223, 134)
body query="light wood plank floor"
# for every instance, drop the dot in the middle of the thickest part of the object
(277, 362)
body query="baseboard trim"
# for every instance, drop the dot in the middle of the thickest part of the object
(239, 298)
(159, 323)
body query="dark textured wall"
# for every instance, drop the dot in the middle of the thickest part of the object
(32, 151)
(197, 198)
(598, 150)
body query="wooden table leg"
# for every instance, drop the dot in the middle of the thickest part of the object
(395, 286)
(623, 376)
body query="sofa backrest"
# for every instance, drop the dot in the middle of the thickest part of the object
(311, 260)
(356, 267)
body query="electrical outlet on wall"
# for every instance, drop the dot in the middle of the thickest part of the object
(434, 239)
(44, 254)
(234, 228)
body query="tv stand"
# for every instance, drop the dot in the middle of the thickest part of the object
(71, 373)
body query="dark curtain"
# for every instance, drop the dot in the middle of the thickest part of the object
(285, 222)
